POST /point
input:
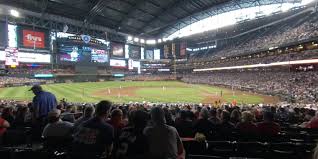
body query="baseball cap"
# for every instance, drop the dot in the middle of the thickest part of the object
(35, 87)
(54, 113)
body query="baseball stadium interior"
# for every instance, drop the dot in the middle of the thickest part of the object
(159, 79)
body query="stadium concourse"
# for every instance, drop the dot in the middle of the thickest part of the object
(159, 79)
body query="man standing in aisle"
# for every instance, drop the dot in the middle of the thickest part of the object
(43, 102)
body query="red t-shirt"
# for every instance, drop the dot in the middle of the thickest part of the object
(247, 128)
(312, 123)
(268, 128)
(2, 130)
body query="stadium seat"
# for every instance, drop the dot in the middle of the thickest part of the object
(251, 149)
(17, 137)
(283, 150)
(273, 138)
(220, 148)
(194, 147)
(5, 153)
(57, 144)
(205, 157)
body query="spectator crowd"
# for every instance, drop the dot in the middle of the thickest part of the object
(298, 86)
(151, 130)
(7, 80)
(281, 34)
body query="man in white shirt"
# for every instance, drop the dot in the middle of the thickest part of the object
(56, 127)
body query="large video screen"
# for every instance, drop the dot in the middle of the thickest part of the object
(99, 56)
(75, 52)
(134, 52)
(117, 49)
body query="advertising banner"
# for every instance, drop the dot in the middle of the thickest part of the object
(8, 56)
(117, 63)
(30, 38)
(130, 64)
(34, 58)
(166, 51)
(173, 49)
(33, 39)
(183, 47)
(157, 54)
(3, 55)
(11, 57)
(136, 64)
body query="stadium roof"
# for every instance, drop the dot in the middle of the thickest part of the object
(149, 18)
(129, 16)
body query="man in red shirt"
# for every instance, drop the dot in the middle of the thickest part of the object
(3, 126)
(313, 123)
(268, 126)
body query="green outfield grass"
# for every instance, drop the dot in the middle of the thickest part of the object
(162, 91)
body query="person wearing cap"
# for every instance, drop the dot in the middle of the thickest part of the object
(56, 127)
(43, 102)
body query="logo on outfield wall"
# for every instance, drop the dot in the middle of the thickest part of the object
(86, 38)
(33, 39)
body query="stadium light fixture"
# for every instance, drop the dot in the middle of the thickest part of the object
(136, 40)
(14, 13)
(130, 38)
(142, 41)
(152, 42)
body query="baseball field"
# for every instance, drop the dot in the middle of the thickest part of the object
(129, 91)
